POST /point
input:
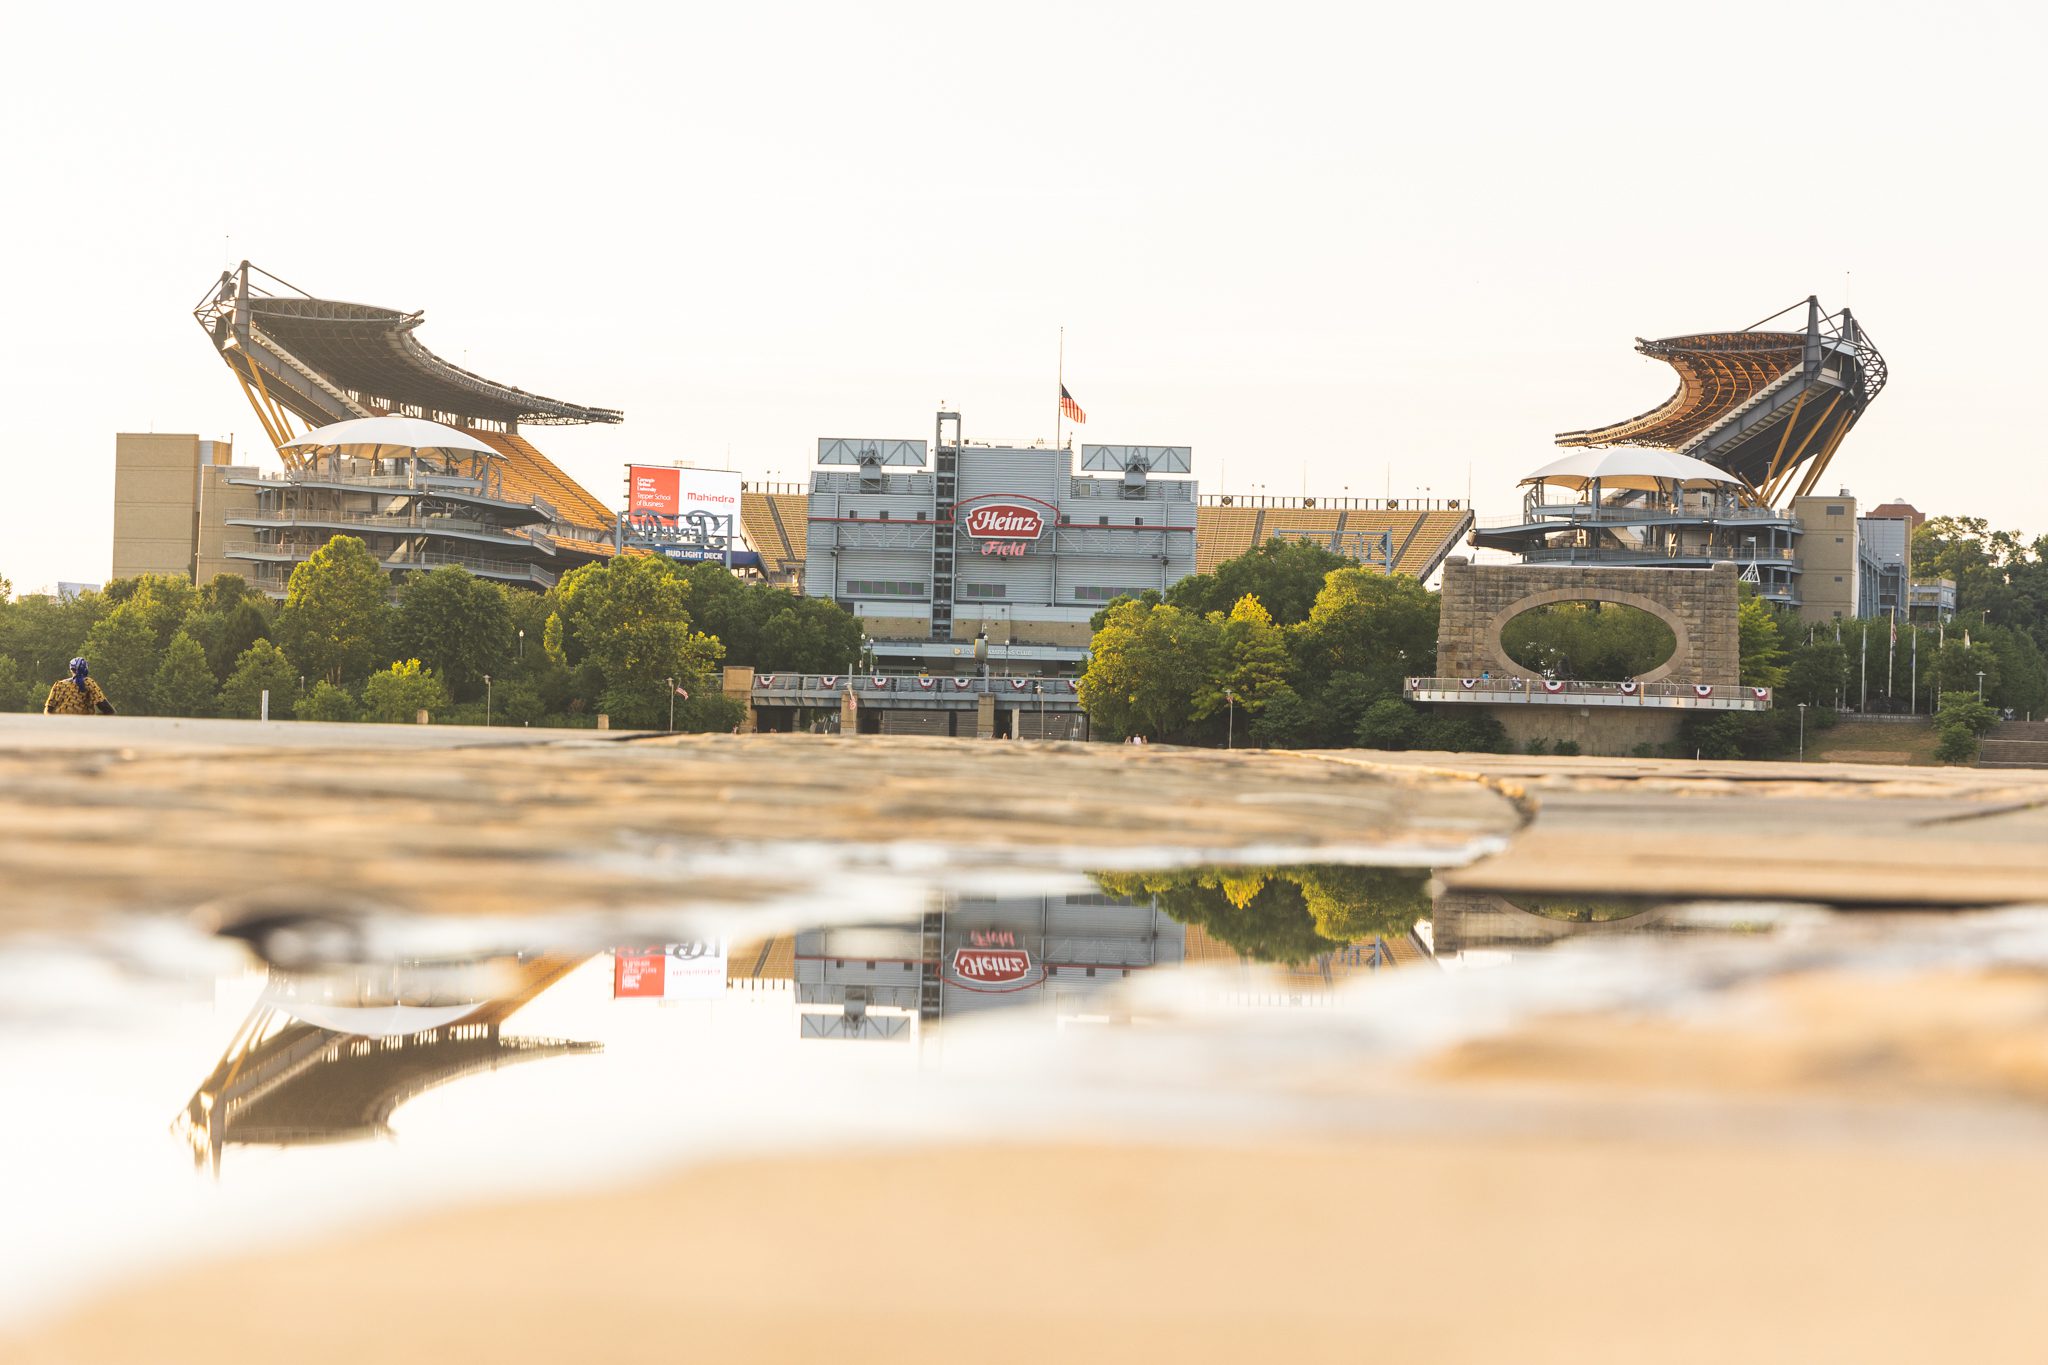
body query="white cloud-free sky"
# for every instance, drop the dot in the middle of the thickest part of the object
(1342, 244)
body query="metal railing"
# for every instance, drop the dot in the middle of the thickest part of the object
(1511, 690)
(1586, 514)
(380, 521)
(1716, 553)
(1053, 690)
(1343, 504)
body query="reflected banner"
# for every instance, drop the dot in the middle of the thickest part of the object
(675, 971)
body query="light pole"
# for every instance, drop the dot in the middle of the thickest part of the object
(1039, 688)
(671, 703)
(1980, 685)
(522, 644)
(487, 701)
(1802, 732)
(1230, 722)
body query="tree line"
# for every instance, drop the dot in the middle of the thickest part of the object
(345, 645)
(1293, 646)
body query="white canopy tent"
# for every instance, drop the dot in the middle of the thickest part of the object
(373, 436)
(1634, 468)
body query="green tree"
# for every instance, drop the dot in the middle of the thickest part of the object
(1256, 910)
(336, 618)
(185, 686)
(1366, 634)
(627, 619)
(397, 695)
(15, 686)
(262, 666)
(122, 652)
(1602, 641)
(1252, 661)
(1815, 673)
(456, 624)
(326, 702)
(1146, 670)
(42, 633)
(1762, 648)
(1391, 723)
(224, 632)
(1286, 576)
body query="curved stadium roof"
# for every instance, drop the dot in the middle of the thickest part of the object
(1717, 373)
(372, 350)
(1768, 406)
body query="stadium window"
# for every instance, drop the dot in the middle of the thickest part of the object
(1137, 521)
(885, 514)
(1102, 521)
(1838, 511)
(1091, 971)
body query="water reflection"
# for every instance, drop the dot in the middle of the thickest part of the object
(327, 1057)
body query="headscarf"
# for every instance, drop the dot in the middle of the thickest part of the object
(78, 672)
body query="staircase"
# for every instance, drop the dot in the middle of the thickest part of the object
(2015, 744)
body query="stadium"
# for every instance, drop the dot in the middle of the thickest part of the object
(1729, 470)
(981, 562)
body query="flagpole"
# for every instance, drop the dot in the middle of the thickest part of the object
(1059, 402)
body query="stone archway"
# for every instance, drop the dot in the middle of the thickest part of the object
(1698, 605)
(1620, 597)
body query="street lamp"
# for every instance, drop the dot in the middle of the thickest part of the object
(1980, 684)
(487, 701)
(1230, 731)
(522, 644)
(671, 704)
(1802, 732)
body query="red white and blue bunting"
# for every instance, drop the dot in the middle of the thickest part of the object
(878, 682)
(829, 680)
(1703, 689)
(1552, 685)
(1762, 693)
(962, 684)
(926, 683)
(1468, 683)
(765, 680)
(1018, 684)
(1628, 689)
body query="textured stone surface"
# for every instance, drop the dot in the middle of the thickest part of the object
(1699, 606)
(165, 816)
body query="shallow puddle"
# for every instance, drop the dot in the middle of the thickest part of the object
(178, 1094)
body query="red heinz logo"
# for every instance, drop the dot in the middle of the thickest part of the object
(1005, 521)
(991, 966)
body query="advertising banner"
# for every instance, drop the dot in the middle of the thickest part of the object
(653, 489)
(676, 971)
(708, 490)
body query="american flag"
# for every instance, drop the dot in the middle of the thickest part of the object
(1070, 407)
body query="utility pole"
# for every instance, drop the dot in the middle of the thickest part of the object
(1802, 732)
(1230, 722)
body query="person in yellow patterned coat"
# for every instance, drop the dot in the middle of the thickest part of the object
(77, 695)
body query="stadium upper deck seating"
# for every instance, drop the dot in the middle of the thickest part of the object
(530, 474)
(777, 526)
(1420, 537)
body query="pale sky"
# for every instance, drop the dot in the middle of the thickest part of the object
(1318, 242)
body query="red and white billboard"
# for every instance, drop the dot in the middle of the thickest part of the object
(991, 966)
(653, 489)
(1004, 521)
(666, 491)
(676, 971)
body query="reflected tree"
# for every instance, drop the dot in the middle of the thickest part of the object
(1284, 914)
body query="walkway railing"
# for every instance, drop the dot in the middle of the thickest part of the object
(1508, 691)
(1054, 691)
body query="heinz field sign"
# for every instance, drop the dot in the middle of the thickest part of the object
(1004, 528)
